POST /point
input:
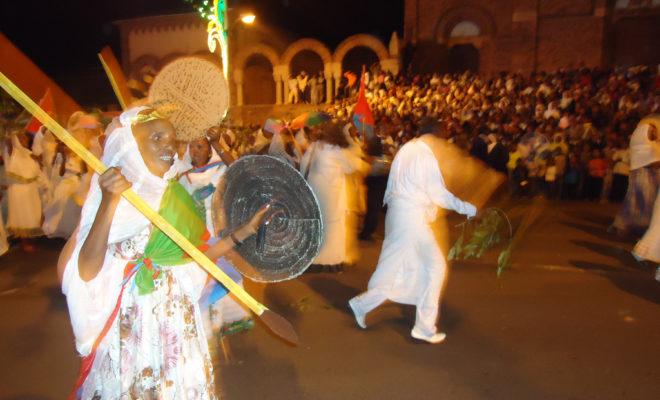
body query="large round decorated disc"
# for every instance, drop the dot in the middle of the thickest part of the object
(198, 94)
(289, 241)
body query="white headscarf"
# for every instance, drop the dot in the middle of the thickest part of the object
(121, 150)
(20, 162)
(644, 151)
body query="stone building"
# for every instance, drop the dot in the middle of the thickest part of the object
(530, 35)
(261, 59)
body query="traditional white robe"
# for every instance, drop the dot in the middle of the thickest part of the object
(648, 247)
(326, 167)
(62, 211)
(24, 202)
(411, 268)
(156, 347)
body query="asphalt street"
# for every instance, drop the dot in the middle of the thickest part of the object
(575, 317)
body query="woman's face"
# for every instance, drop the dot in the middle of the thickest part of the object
(156, 141)
(200, 152)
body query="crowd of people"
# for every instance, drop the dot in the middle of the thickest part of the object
(563, 135)
(304, 88)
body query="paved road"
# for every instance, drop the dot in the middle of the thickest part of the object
(574, 318)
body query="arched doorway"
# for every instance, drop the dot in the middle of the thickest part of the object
(358, 56)
(467, 32)
(308, 61)
(463, 57)
(463, 53)
(259, 85)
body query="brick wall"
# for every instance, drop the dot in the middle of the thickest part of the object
(537, 34)
(569, 42)
(565, 7)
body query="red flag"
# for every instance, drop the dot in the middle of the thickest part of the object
(363, 119)
(47, 104)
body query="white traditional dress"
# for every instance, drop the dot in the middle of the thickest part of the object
(646, 153)
(62, 211)
(648, 248)
(326, 167)
(23, 200)
(136, 346)
(411, 268)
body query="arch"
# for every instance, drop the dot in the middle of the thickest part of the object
(262, 49)
(455, 16)
(258, 84)
(306, 44)
(361, 40)
(465, 28)
(358, 56)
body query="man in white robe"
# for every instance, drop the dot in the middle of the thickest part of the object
(412, 268)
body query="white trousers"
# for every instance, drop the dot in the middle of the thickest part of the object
(395, 279)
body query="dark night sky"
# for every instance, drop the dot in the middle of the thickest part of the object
(63, 36)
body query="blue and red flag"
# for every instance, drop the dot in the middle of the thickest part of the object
(363, 119)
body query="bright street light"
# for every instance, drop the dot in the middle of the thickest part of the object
(248, 19)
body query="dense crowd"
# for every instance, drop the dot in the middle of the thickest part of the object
(564, 134)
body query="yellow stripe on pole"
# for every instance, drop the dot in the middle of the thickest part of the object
(131, 196)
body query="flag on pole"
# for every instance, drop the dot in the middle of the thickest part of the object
(116, 76)
(363, 119)
(47, 104)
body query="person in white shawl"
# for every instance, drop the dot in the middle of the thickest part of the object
(356, 193)
(44, 145)
(411, 268)
(326, 165)
(223, 315)
(645, 149)
(62, 207)
(24, 178)
(284, 146)
(137, 340)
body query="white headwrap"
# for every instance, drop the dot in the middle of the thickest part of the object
(644, 151)
(121, 150)
(20, 162)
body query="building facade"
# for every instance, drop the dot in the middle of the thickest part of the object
(261, 63)
(530, 35)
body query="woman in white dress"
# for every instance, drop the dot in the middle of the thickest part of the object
(62, 211)
(23, 180)
(132, 294)
(326, 165)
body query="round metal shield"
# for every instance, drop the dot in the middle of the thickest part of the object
(288, 242)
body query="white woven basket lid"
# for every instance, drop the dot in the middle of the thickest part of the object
(198, 91)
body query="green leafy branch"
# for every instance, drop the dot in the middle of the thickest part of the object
(488, 232)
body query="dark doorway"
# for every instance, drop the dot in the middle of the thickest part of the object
(357, 57)
(463, 57)
(307, 61)
(429, 57)
(258, 82)
(644, 33)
